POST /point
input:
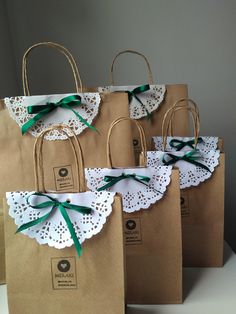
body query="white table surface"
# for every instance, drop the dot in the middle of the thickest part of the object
(206, 291)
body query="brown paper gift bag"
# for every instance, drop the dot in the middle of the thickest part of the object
(97, 109)
(202, 204)
(148, 103)
(43, 279)
(15, 161)
(152, 225)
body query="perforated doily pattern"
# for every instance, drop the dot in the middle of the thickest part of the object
(54, 231)
(151, 99)
(135, 195)
(88, 110)
(190, 175)
(209, 143)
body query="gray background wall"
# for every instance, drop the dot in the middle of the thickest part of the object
(186, 41)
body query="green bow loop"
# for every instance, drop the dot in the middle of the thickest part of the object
(42, 110)
(62, 206)
(138, 90)
(111, 180)
(179, 144)
(191, 157)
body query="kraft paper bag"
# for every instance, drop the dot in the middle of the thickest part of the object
(203, 221)
(2, 247)
(152, 225)
(202, 191)
(44, 273)
(149, 102)
(97, 109)
(154, 250)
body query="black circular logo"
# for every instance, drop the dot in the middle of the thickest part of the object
(63, 266)
(135, 142)
(130, 224)
(63, 172)
(181, 200)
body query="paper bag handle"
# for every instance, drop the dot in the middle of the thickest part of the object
(169, 116)
(38, 159)
(143, 156)
(150, 76)
(64, 51)
(181, 104)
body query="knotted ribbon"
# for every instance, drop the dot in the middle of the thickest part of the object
(179, 144)
(138, 90)
(111, 180)
(62, 206)
(190, 157)
(42, 110)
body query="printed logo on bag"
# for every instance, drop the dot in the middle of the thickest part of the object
(63, 172)
(130, 224)
(64, 273)
(184, 202)
(63, 266)
(63, 178)
(135, 142)
(132, 230)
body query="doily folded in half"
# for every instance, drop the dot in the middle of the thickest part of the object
(149, 186)
(54, 231)
(177, 143)
(190, 173)
(148, 101)
(88, 110)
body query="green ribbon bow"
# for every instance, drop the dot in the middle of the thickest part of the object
(114, 179)
(179, 144)
(42, 110)
(190, 157)
(62, 206)
(133, 94)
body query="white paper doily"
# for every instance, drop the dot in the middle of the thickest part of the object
(151, 98)
(54, 231)
(17, 107)
(190, 175)
(209, 143)
(135, 195)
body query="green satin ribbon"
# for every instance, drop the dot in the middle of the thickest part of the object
(42, 110)
(62, 206)
(114, 179)
(179, 144)
(190, 157)
(138, 90)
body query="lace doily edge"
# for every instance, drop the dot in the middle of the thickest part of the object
(150, 203)
(70, 241)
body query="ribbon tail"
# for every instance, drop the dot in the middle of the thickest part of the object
(80, 209)
(140, 181)
(33, 222)
(83, 120)
(196, 163)
(78, 246)
(26, 126)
